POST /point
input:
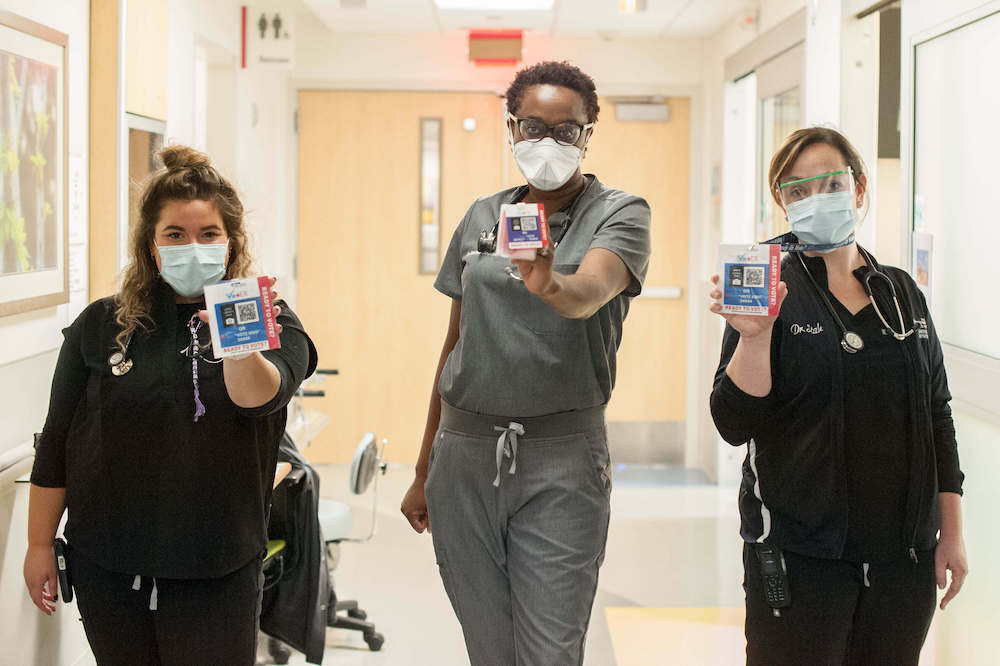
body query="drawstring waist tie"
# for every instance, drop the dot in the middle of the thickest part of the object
(561, 424)
(137, 585)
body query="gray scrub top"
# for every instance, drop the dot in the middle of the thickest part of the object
(515, 356)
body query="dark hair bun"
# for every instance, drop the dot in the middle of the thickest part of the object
(183, 157)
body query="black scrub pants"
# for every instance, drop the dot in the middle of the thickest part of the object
(835, 617)
(210, 622)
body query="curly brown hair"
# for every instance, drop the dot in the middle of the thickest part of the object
(554, 73)
(188, 175)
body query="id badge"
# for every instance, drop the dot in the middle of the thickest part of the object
(522, 230)
(241, 316)
(748, 279)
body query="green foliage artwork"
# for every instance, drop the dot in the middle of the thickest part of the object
(29, 236)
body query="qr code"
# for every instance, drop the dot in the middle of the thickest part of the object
(753, 276)
(247, 313)
(528, 224)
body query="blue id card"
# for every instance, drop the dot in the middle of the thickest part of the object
(748, 279)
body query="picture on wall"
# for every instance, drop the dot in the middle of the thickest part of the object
(33, 216)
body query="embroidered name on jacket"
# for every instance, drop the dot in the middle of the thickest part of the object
(815, 329)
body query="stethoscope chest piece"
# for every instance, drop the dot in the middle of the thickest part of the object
(852, 342)
(119, 364)
(122, 367)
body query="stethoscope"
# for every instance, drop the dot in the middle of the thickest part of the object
(120, 365)
(851, 341)
(560, 220)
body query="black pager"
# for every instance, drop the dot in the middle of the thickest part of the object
(775, 575)
(65, 584)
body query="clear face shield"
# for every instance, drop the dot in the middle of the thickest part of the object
(831, 183)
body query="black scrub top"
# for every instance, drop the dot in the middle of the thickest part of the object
(877, 431)
(149, 490)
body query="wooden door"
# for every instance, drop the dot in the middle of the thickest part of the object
(369, 311)
(651, 160)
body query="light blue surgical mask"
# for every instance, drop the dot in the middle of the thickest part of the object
(189, 268)
(823, 219)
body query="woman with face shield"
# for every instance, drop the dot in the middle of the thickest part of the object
(513, 478)
(162, 454)
(851, 498)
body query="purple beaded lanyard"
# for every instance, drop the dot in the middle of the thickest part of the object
(199, 408)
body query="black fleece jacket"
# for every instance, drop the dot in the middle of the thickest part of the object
(794, 489)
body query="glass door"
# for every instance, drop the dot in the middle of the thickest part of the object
(779, 105)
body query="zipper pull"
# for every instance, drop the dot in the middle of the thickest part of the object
(913, 555)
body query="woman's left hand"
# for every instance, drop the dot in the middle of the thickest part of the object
(203, 314)
(950, 555)
(537, 274)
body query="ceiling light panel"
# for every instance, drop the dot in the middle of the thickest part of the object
(496, 5)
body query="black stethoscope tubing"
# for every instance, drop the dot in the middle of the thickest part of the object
(851, 341)
(490, 237)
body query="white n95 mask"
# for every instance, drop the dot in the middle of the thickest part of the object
(546, 164)
(188, 268)
(823, 219)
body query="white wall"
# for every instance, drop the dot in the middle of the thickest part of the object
(822, 74)
(974, 614)
(28, 348)
(440, 61)
(257, 109)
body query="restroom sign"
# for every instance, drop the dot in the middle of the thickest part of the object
(268, 31)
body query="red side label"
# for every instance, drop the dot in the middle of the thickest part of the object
(775, 278)
(264, 284)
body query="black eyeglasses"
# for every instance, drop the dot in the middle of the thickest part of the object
(533, 129)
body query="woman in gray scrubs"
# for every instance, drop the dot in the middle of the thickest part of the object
(514, 471)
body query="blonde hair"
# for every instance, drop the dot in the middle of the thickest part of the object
(188, 175)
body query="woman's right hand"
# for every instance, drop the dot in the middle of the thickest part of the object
(41, 578)
(748, 326)
(414, 507)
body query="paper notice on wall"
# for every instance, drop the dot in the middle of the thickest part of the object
(269, 35)
(923, 261)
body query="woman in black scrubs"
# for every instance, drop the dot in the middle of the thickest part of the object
(852, 483)
(162, 455)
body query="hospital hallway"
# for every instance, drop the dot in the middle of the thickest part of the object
(670, 588)
(720, 268)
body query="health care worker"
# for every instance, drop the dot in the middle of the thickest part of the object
(852, 468)
(162, 455)
(513, 478)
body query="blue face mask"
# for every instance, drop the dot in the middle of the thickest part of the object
(188, 268)
(823, 219)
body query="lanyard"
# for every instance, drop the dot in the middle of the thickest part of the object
(789, 242)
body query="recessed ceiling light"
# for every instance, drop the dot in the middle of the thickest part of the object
(496, 5)
(631, 6)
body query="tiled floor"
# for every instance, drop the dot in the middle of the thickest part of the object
(656, 557)
(670, 589)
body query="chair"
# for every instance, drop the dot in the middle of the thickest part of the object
(280, 552)
(335, 523)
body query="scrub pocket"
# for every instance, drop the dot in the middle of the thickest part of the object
(536, 315)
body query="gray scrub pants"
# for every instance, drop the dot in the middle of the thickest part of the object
(519, 513)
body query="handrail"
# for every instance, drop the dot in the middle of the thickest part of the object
(14, 458)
